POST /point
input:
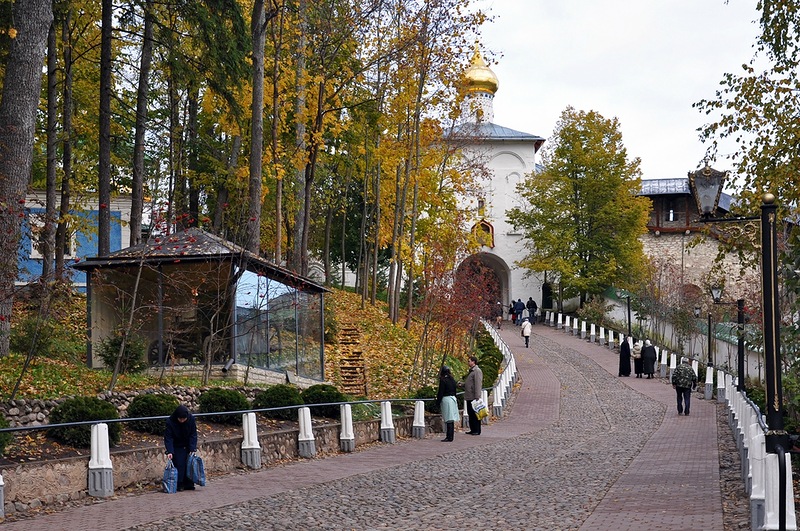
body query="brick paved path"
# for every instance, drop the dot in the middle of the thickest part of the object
(580, 449)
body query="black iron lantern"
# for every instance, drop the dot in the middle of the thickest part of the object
(706, 185)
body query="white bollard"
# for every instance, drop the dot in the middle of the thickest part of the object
(418, 429)
(101, 472)
(347, 438)
(694, 368)
(575, 329)
(664, 354)
(673, 364)
(251, 448)
(306, 446)
(709, 382)
(772, 500)
(583, 329)
(2, 498)
(497, 402)
(549, 318)
(559, 322)
(602, 340)
(387, 424)
(485, 397)
(720, 385)
(465, 417)
(758, 470)
(567, 325)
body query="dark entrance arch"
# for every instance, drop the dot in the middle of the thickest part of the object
(493, 274)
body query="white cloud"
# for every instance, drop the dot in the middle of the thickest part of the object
(645, 62)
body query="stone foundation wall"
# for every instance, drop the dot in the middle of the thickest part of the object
(20, 413)
(31, 485)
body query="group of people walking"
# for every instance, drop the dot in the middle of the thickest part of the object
(643, 354)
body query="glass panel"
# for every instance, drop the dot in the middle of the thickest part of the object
(277, 326)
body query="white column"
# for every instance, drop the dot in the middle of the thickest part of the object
(101, 471)
(251, 448)
(347, 438)
(418, 429)
(772, 498)
(387, 424)
(306, 445)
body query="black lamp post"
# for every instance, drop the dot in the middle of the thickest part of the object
(627, 298)
(710, 360)
(702, 183)
(716, 293)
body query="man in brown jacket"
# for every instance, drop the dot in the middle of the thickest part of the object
(473, 387)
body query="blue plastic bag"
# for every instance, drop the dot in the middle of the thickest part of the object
(196, 470)
(170, 481)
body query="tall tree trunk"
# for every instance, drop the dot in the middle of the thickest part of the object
(137, 188)
(300, 134)
(274, 125)
(104, 142)
(258, 32)
(174, 148)
(66, 148)
(222, 191)
(18, 108)
(193, 95)
(48, 237)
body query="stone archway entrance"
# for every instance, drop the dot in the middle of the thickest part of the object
(495, 272)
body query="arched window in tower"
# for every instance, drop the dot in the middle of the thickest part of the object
(481, 207)
(484, 233)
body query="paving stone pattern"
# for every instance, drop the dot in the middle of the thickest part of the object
(580, 448)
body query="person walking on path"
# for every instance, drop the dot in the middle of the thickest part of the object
(648, 359)
(625, 357)
(636, 352)
(519, 309)
(526, 331)
(532, 307)
(473, 386)
(446, 399)
(498, 315)
(511, 313)
(684, 380)
(180, 440)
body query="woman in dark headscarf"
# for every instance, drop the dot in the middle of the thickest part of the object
(446, 398)
(180, 439)
(625, 357)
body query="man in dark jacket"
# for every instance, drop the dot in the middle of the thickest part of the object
(519, 309)
(532, 307)
(473, 389)
(180, 440)
(683, 381)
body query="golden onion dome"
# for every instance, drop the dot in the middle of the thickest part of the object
(479, 77)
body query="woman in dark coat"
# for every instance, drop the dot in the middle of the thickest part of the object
(446, 399)
(648, 359)
(180, 439)
(625, 357)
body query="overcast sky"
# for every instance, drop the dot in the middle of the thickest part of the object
(642, 61)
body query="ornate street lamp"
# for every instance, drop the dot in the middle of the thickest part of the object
(716, 293)
(702, 182)
(707, 185)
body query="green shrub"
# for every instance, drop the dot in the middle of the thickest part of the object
(218, 399)
(133, 357)
(79, 409)
(154, 405)
(5, 438)
(323, 394)
(280, 395)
